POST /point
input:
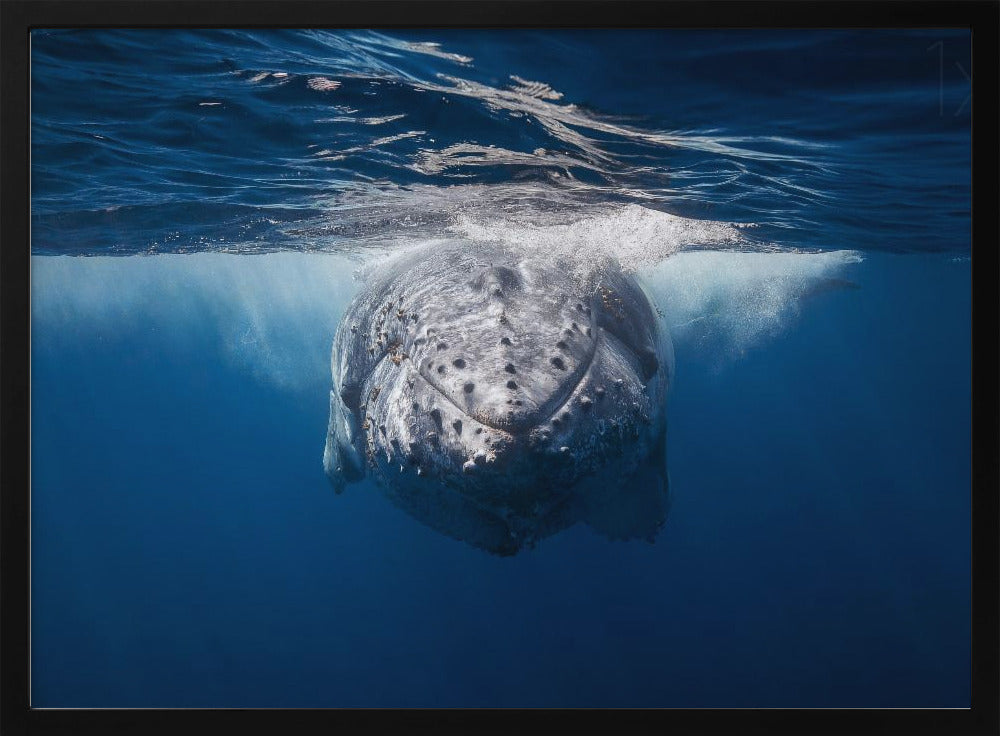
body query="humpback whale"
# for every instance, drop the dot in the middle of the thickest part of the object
(500, 397)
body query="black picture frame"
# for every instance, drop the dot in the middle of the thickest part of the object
(18, 17)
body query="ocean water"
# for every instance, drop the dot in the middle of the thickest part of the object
(206, 204)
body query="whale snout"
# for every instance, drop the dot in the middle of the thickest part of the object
(513, 356)
(473, 438)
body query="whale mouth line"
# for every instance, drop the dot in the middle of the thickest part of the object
(550, 408)
(492, 423)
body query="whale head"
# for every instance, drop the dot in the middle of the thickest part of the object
(500, 399)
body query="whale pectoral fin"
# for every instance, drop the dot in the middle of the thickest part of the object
(342, 461)
(633, 508)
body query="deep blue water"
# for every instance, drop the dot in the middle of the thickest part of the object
(796, 203)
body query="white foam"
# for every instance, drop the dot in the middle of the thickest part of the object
(734, 301)
(635, 237)
(273, 315)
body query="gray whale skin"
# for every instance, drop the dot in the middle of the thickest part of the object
(499, 400)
